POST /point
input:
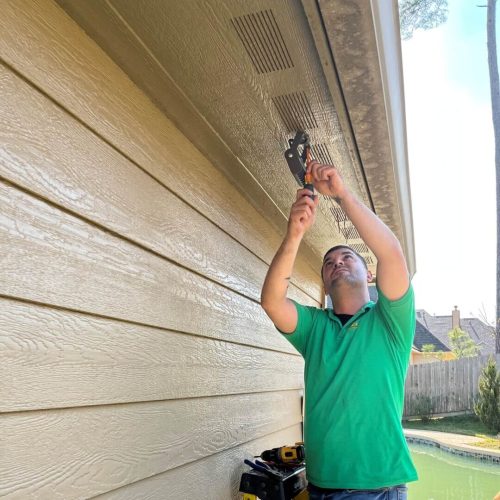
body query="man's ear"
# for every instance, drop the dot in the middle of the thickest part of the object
(369, 276)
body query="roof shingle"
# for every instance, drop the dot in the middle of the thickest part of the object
(439, 326)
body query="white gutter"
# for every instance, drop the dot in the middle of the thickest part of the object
(386, 23)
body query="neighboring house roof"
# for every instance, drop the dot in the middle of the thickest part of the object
(440, 326)
(423, 336)
(480, 333)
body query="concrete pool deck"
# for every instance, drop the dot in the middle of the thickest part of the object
(458, 444)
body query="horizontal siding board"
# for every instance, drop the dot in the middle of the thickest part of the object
(79, 453)
(48, 152)
(213, 478)
(52, 257)
(58, 57)
(58, 359)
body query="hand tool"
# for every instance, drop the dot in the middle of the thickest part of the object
(298, 155)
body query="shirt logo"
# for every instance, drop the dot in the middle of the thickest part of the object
(354, 325)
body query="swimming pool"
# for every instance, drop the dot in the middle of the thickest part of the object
(444, 476)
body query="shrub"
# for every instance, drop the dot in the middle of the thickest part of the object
(423, 407)
(487, 407)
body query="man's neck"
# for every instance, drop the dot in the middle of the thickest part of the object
(349, 303)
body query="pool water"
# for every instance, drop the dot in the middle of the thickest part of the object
(444, 476)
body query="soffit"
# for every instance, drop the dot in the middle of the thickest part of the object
(240, 77)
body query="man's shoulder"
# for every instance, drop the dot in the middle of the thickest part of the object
(304, 306)
(311, 314)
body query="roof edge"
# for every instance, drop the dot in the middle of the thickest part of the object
(386, 24)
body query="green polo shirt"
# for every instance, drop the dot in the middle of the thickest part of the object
(354, 389)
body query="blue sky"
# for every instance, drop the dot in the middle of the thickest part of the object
(465, 40)
(451, 155)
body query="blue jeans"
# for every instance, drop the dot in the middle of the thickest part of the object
(391, 493)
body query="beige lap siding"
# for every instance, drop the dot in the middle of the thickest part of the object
(52, 257)
(49, 152)
(193, 481)
(56, 358)
(82, 452)
(134, 350)
(57, 56)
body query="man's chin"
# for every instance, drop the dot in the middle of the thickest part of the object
(336, 283)
(343, 280)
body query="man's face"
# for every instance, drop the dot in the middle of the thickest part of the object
(343, 266)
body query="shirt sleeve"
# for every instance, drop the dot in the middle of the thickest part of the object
(305, 320)
(399, 317)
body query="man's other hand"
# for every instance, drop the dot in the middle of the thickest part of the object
(326, 179)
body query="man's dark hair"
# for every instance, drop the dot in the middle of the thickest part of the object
(336, 247)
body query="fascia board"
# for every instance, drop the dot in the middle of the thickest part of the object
(386, 24)
(387, 84)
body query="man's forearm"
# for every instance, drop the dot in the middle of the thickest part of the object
(376, 235)
(281, 310)
(278, 276)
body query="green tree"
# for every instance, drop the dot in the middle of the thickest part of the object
(461, 344)
(429, 350)
(487, 407)
(421, 14)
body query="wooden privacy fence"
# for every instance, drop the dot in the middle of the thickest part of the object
(451, 386)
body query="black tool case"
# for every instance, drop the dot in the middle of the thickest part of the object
(277, 486)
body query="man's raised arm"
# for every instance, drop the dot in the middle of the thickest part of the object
(392, 272)
(273, 297)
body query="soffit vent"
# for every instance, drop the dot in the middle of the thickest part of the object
(350, 233)
(295, 111)
(337, 212)
(260, 35)
(320, 152)
(359, 247)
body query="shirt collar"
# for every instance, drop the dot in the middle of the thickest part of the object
(361, 311)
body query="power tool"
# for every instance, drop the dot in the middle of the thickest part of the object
(293, 455)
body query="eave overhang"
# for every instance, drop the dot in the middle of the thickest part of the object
(237, 78)
(359, 46)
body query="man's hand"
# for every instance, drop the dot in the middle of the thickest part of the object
(327, 179)
(302, 213)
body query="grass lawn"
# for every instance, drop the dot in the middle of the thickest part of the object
(469, 425)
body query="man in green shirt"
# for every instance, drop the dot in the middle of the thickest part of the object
(356, 356)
